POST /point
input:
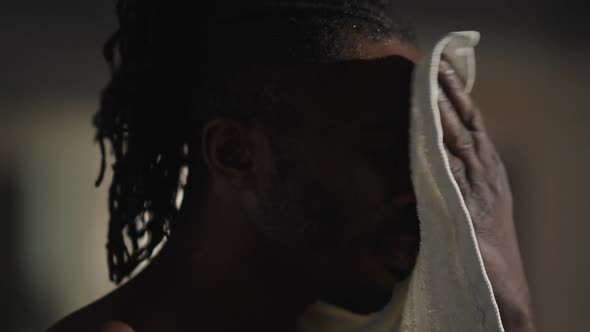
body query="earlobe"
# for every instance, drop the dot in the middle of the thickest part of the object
(228, 150)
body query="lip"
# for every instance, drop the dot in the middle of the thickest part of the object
(396, 243)
(400, 258)
(398, 252)
(403, 235)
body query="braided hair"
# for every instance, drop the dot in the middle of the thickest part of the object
(173, 67)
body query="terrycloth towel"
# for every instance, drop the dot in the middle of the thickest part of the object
(449, 289)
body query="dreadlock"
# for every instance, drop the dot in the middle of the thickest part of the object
(163, 87)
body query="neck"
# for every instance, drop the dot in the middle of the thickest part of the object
(218, 274)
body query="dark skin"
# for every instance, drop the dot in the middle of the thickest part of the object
(243, 263)
(483, 182)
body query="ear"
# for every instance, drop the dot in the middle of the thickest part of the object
(229, 151)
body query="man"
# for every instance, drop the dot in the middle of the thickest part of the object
(292, 121)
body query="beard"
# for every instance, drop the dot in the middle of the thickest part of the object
(296, 213)
(299, 218)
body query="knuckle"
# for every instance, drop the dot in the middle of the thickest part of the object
(457, 167)
(444, 103)
(483, 138)
(469, 116)
(443, 66)
(464, 143)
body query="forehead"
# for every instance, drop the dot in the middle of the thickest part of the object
(370, 83)
(357, 93)
(363, 48)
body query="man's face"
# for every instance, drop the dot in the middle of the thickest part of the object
(342, 186)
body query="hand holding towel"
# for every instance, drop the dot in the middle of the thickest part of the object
(449, 289)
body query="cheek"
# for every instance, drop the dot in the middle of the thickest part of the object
(367, 199)
(352, 189)
(358, 190)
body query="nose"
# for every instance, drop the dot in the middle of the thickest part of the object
(405, 205)
(402, 200)
(405, 196)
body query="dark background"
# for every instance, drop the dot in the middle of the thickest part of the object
(533, 86)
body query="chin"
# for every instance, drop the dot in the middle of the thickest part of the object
(360, 301)
(366, 292)
(363, 281)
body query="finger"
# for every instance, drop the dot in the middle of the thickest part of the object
(458, 139)
(459, 172)
(486, 150)
(454, 87)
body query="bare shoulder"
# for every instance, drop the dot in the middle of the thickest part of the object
(96, 317)
(115, 326)
(69, 325)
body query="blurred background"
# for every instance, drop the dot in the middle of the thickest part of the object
(533, 86)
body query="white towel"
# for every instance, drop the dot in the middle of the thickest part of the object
(449, 289)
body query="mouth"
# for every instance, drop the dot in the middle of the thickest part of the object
(399, 257)
(397, 244)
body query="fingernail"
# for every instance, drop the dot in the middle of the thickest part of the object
(446, 67)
